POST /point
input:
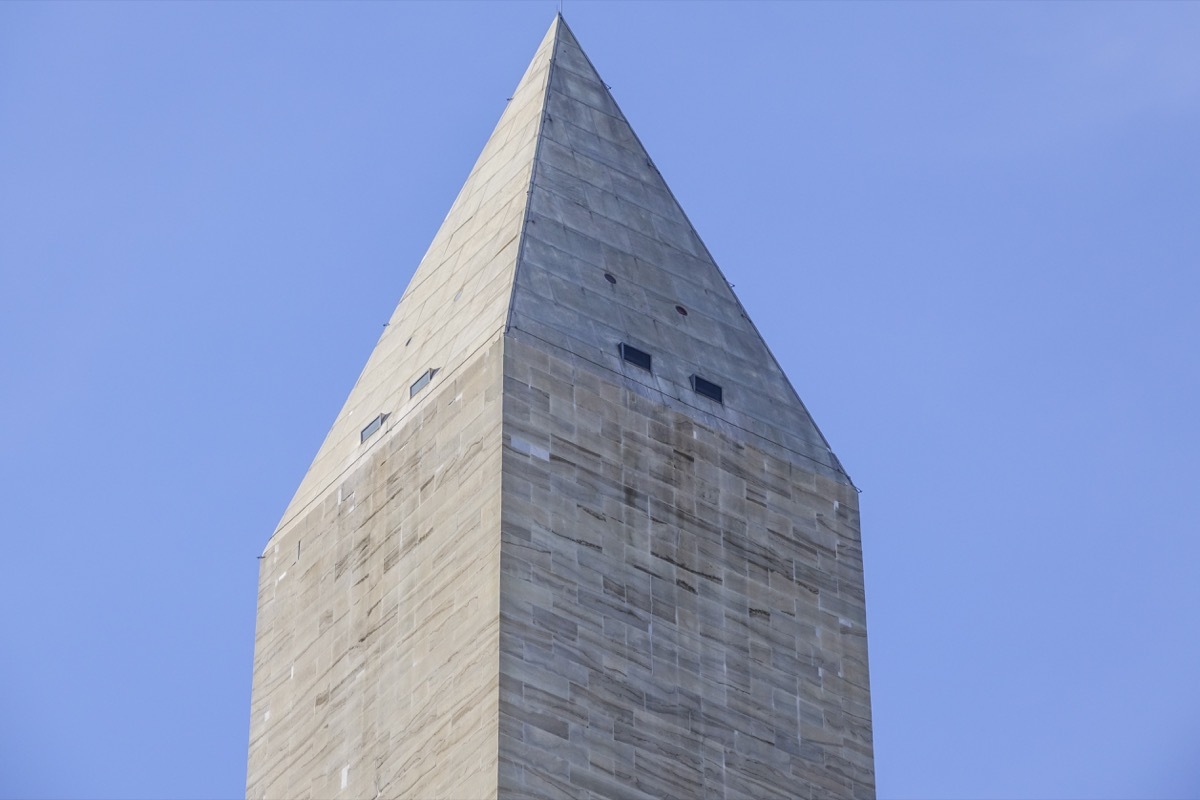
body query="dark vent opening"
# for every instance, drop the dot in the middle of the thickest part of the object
(608, 276)
(708, 389)
(681, 310)
(639, 358)
(371, 428)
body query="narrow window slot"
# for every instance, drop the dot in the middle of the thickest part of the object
(708, 389)
(639, 358)
(421, 382)
(373, 426)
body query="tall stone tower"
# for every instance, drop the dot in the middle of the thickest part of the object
(573, 533)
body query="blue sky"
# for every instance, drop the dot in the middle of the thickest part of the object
(968, 232)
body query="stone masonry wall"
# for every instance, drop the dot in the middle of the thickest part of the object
(682, 607)
(377, 646)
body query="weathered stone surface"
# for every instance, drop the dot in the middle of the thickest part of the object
(376, 658)
(549, 572)
(699, 657)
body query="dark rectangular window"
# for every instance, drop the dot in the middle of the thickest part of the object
(708, 389)
(639, 358)
(368, 431)
(421, 382)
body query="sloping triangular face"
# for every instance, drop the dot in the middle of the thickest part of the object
(458, 298)
(609, 257)
(565, 201)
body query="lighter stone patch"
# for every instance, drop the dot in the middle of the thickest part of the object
(530, 449)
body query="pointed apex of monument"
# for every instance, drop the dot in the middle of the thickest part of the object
(565, 234)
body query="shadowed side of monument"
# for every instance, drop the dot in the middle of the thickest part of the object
(682, 608)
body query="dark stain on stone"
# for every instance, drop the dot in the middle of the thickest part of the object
(595, 514)
(669, 560)
(595, 547)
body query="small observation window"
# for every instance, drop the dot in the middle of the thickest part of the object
(639, 358)
(371, 428)
(708, 389)
(421, 382)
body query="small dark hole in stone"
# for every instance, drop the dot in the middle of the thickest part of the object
(681, 310)
(608, 276)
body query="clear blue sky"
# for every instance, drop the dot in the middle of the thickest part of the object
(968, 231)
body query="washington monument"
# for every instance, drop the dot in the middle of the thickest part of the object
(573, 533)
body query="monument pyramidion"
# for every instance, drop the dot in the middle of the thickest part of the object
(573, 533)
